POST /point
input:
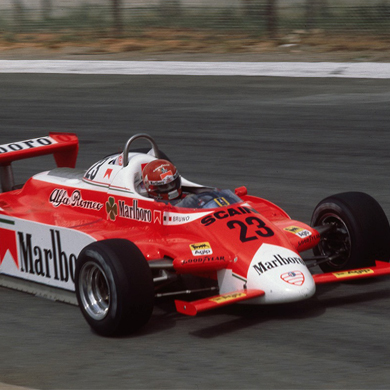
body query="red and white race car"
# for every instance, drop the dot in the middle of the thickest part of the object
(98, 234)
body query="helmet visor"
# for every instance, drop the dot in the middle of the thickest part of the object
(163, 188)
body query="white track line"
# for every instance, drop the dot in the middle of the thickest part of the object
(372, 70)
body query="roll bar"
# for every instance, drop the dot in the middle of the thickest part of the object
(126, 150)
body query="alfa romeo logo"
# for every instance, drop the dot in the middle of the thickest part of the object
(111, 208)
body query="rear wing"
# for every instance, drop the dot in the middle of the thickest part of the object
(64, 147)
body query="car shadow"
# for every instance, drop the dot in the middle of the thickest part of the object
(250, 315)
(165, 317)
(351, 293)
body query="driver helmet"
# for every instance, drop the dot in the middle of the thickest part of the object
(162, 180)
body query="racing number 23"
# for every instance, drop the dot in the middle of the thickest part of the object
(262, 229)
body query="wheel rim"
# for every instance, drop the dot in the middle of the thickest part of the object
(337, 242)
(94, 291)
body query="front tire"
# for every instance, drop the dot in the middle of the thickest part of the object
(361, 232)
(114, 287)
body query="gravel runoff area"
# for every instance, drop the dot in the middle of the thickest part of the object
(281, 55)
(167, 48)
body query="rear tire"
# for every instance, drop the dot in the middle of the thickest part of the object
(361, 234)
(114, 287)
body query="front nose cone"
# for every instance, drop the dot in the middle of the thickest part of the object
(281, 274)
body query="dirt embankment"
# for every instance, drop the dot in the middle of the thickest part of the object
(174, 44)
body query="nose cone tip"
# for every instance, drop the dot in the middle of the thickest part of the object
(294, 293)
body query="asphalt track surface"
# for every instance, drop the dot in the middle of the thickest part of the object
(292, 141)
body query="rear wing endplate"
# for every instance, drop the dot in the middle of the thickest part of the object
(64, 147)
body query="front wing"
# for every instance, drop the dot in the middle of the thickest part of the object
(380, 268)
(192, 308)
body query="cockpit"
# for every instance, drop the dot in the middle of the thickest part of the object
(208, 199)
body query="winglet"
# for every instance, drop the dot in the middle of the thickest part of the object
(195, 307)
(381, 268)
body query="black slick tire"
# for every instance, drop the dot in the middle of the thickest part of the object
(361, 234)
(114, 287)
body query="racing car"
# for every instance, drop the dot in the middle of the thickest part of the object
(95, 238)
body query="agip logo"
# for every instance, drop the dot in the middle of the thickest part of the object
(298, 231)
(201, 249)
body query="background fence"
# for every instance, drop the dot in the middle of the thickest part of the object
(78, 19)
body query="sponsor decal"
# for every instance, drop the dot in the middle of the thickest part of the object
(309, 239)
(111, 208)
(127, 211)
(157, 216)
(221, 202)
(50, 261)
(227, 213)
(108, 173)
(227, 297)
(278, 261)
(61, 197)
(8, 244)
(171, 218)
(346, 274)
(166, 175)
(201, 249)
(293, 277)
(27, 144)
(134, 212)
(41, 253)
(203, 260)
(177, 219)
(298, 231)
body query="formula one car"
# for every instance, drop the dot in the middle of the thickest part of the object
(96, 235)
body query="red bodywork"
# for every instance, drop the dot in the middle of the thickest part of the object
(46, 223)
